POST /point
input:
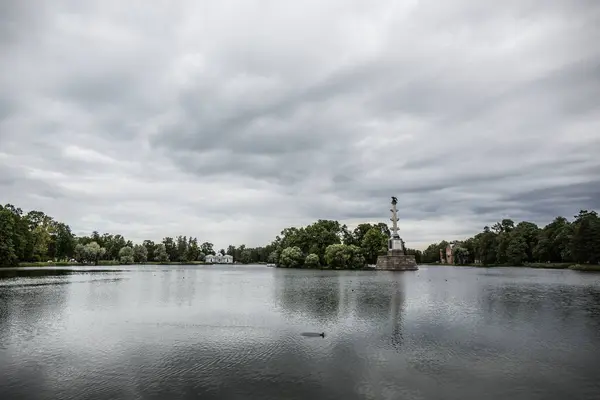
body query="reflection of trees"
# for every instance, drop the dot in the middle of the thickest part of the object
(374, 302)
(31, 306)
(33, 273)
(381, 303)
(540, 304)
(396, 311)
(308, 294)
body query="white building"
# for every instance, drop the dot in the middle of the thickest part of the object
(219, 259)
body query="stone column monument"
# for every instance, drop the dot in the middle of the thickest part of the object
(396, 258)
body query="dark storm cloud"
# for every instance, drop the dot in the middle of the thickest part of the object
(188, 118)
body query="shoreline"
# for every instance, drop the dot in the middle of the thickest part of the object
(571, 266)
(562, 266)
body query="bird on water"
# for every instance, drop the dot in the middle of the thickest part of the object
(313, 334)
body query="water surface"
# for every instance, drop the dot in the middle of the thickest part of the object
(236, 332)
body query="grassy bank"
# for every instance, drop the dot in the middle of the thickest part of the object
(575, 267)
(585, 267)
(103, 263)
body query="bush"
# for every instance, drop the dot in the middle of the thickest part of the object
(312, 261)
(126, 255)
(342, 256)
(291, 257)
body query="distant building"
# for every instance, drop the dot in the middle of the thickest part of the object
(219, 259)
(450, 254)
(447, 254)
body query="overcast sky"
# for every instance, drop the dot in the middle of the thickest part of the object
(231, 120)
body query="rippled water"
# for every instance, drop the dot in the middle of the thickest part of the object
(236, 333)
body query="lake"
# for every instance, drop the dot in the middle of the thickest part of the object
(235, 332)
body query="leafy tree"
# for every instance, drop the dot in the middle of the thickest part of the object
(160, 253)
(516, 252)
(373, 244)
(246, 256)
(230, 250)
(64, 242)
(461, 255)
(312, 261)
(182, 252)
(171, 248)
(193, 250)
(585, 241)
(342, 256)
(274, 257)
(140, 253)
(291, 257)
(486, 246)
(150, 246)
(79, 253)
(126, 255)
(8, 256)
(207, 248)
(92, 252)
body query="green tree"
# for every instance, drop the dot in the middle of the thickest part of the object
(8, 256)
(373, 244)
(92, 252)
(170, 248)
(312, 261)
(193, 250)
(140, 253)
(246, 256)
(126, 255)
(486, 246)
(517, 250)
(342, 256)
(461, 255)
(64, 242)
(207, 248)
(274, 257)
(150, 246)
(337, 256)
(160, 253)
(291, 257)
(231, 250)
(182, 252)
(585, 240)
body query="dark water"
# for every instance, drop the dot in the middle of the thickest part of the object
(236, 333)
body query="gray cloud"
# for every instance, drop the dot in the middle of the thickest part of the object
(192, 118)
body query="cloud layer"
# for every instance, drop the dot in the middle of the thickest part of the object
(230, 120)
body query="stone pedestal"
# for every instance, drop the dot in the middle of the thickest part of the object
(396, 260)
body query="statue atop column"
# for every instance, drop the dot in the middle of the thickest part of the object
(394, 219)
(396, 259)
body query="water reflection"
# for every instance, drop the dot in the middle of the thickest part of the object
(30, 310)
(313, 296)
(235, 333)
(370, 306)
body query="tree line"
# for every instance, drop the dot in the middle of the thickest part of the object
(329, 244)
(507, 243)
(37, 237)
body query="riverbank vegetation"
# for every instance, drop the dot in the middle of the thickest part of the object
(36, 239)
(329, 244)
(560, 244)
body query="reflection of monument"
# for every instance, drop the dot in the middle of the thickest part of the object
(396, 258)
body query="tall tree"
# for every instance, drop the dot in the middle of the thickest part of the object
(150, 246)
(140, 253)
(207, 248)
(8, 256)
(373, 244)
